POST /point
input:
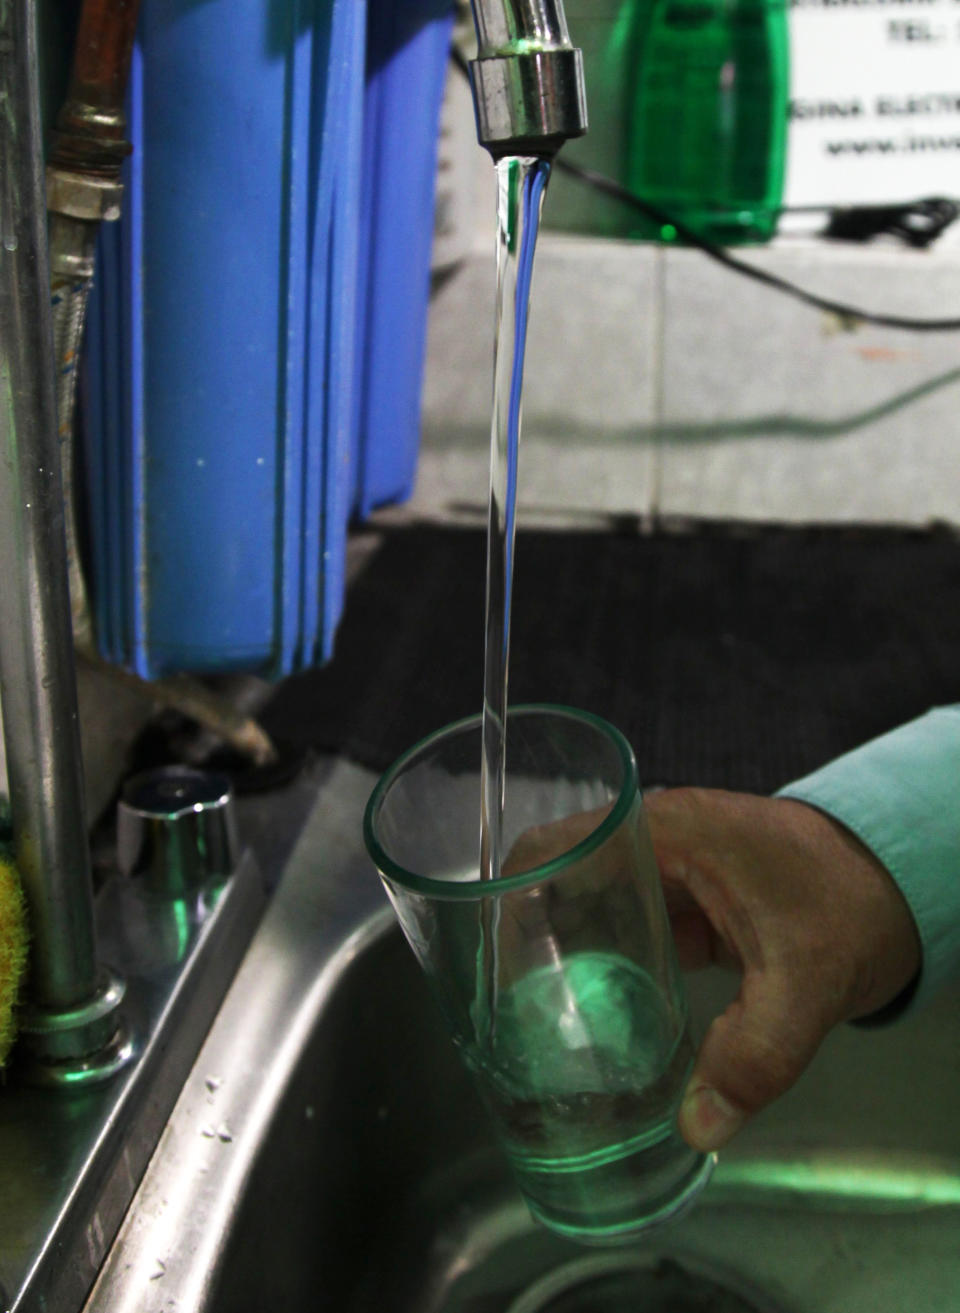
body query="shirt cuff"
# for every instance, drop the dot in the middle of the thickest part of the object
(900, 795)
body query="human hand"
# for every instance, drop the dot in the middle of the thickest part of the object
(813, 921)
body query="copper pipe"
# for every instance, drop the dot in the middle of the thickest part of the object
(90, 135)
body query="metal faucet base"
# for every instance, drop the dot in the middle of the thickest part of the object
(71, 1159)
(81, 1046)
(101, 1066)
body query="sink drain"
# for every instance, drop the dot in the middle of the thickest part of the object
(634, 1283)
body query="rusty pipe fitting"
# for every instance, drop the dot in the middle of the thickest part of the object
(90, 137)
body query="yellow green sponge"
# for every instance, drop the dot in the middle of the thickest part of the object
(13, 950)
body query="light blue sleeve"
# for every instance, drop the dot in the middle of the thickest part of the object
(900, 795)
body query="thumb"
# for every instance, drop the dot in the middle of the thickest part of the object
(750, 1055)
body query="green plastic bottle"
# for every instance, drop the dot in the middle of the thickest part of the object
(706, 120)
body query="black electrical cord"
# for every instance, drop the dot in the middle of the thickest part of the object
(849, 314)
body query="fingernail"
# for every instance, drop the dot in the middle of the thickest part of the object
(708, 1120)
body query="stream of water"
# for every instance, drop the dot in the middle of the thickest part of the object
(521, 184)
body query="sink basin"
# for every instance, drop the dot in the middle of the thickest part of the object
(329, 1152)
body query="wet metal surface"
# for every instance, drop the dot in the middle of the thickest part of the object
(70, 1158)
(328, 1150)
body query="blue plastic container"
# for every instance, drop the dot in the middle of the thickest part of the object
(407, 50)
(248, 386)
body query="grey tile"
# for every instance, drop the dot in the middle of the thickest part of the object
(772, 411)
(563, 482)
(589, 385)
(764, 408)
(591, 342)
(459, 360)
(593, 337)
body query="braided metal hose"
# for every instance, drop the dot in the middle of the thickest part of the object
(72, 243)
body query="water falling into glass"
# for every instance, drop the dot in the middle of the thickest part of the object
(521, 185)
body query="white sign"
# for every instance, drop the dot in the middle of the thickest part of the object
(874, 102)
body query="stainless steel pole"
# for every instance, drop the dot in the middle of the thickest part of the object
(72, 1005)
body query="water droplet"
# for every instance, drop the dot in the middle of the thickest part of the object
(224, 1133)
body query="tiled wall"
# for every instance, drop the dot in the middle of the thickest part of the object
(659, 382)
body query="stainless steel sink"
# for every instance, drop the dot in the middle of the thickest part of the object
(329, 1152)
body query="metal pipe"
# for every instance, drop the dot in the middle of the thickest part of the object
(72, 1005)
(528, 89)
(504, 25)
(88, 148)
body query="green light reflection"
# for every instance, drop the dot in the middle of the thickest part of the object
(866, 1182)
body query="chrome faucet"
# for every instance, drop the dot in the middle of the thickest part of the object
(528, 89)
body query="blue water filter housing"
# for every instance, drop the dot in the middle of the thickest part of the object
(256, 337)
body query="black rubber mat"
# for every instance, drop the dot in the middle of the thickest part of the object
(733, 657)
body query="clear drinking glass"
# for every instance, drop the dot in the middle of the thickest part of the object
(558, 981)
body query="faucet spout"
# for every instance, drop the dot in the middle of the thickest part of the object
(528, 89)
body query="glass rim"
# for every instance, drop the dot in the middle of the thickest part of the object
(473, 890)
